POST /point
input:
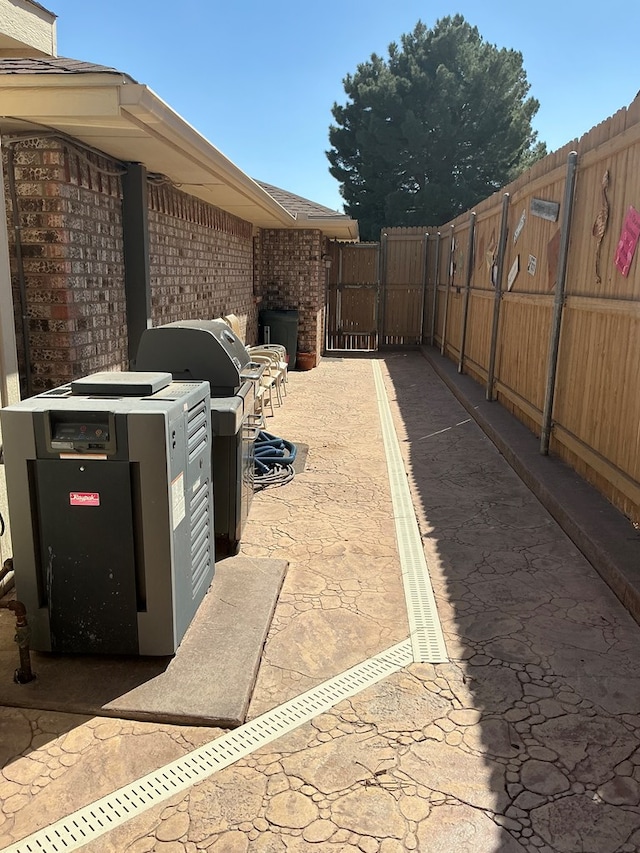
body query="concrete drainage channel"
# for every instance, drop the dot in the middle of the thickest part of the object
(426, 644)
(426, 633)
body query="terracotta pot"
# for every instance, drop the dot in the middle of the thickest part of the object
(305, 360)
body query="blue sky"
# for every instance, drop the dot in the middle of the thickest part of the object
(258, 79)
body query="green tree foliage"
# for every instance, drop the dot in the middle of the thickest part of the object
(442, 123)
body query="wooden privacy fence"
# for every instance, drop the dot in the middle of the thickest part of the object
(532, 294)
(536, 296)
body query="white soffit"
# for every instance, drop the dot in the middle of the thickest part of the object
(129, 122)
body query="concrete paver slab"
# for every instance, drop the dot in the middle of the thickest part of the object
(55, 763)
(208, 682)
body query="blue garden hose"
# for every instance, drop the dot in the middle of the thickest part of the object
(273, 461)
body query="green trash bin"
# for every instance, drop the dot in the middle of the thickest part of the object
(280, 327)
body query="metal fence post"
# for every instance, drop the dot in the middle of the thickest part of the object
(502, 245)
(382, 279)
(558, 303)
(432, 336)
(423, 301)
(467, 292)
(443, 343)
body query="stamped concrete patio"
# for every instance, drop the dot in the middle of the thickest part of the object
(527, 739)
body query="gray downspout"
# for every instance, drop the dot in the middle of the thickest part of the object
(9, 376)
(467, 292)
(327, 271)
(432, 336)
(502, 246)
(554, 342)
(449, 281)
(22, 285)
(137, 276)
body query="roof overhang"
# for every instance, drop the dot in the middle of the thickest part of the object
(129, 122)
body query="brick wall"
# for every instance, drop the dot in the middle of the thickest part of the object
(290, 274)
(201, 261)
(69, 208)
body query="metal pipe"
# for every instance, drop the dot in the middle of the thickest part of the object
(502, 246)
(7, 582)
(449, 284)
(432, 336)
(556, 325)
(423, 300)
(327, 274)
(7, 567)
(24, 674)
(467, 291)
(22, 286)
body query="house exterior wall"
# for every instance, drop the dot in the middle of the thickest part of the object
(201, 261)
(290, 274)
(70, 214)
(69, 204)
(26, 30)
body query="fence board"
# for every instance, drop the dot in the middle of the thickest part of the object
(358, 264)
(523, 343)
(404, 287)
(594, 404)
(479, 329)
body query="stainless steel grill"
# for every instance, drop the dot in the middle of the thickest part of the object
(208, 350)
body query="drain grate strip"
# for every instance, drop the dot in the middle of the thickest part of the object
(427, 639)
(117, 808)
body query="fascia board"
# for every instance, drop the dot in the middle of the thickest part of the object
(144, 108)
(41, 103)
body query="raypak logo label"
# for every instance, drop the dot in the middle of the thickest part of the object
(84, 498)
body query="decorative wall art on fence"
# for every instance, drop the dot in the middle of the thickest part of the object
(602, 219)
(628, 241)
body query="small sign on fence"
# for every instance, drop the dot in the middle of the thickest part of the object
(519, 226)
(545, 209)
(513, 272)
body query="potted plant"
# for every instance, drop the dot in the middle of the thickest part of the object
(305, 360)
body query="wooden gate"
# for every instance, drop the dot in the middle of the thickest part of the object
(353, 287)
(404, 264)
(376, 292)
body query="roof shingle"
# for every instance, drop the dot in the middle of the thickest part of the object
(296, 204)
(55, 65)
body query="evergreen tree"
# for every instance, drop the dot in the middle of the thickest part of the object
(427, 133)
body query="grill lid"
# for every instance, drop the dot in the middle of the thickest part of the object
(196, 350)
